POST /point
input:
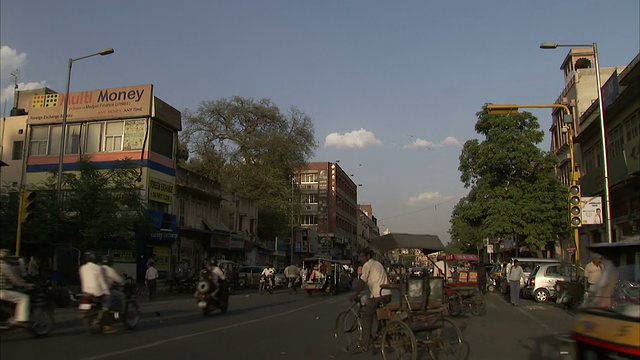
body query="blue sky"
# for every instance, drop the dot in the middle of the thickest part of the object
(392, 86)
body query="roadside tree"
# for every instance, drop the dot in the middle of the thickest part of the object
(513, 188)
(251, 148)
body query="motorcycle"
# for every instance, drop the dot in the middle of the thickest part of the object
(209, 302)
(569, 294)
(127, 311)
(492, 284)
(182, 285)
(266, 284)
(40, 309)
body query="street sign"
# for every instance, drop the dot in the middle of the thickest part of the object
(592, 210)
(490, 249)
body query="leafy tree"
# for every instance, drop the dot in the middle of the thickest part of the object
(98, 204)
(8, 216)
(514, 191)
(251, 148)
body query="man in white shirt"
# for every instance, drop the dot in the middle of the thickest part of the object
(515, 273)
(151, 278)
(292, 273)
(92, 278)
(373, 275)
(593, 273)
(113, 278)
(269, 272)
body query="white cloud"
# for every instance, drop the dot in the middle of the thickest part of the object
(421, 143)
(6, 94)
(10, 60)
(355, 139)
(426, 198)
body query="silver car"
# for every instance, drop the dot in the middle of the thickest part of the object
(541, 282)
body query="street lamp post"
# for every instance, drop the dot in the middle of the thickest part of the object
(63, 137)
(603, 131)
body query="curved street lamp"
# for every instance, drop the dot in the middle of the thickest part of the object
(603, 131)
(63, 139)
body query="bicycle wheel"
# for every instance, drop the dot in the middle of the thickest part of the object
(445, 342)
(348, 330)
(454, 304)
(398, 342)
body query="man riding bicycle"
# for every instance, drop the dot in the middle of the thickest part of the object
(373, 275)
(293, 274)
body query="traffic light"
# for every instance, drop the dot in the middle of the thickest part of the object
(575, 205)
(28, 205)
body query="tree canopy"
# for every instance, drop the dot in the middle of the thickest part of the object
(252, 148)
(98, 204)
(513, 188)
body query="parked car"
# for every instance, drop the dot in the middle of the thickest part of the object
(542, 280)
(279, 279)
(527, 264)
(249, 276)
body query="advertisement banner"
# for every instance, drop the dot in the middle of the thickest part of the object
(160, 190)
(592, 210)
(113, 103)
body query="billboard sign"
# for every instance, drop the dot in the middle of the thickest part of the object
(592, 210)
(114, 103)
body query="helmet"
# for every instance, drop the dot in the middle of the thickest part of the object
(5, 253)
(89, 257)
(213, 262)
(106, 260)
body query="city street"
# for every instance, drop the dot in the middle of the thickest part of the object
(278, 326)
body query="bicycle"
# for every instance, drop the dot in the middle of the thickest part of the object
(348, 327)
(293, 285)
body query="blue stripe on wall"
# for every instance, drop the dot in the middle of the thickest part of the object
(101, 165)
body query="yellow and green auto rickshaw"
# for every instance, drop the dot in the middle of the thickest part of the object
(608, 324)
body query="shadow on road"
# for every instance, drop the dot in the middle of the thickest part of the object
(546, 347)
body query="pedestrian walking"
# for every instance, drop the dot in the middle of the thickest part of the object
(593, 273)
(151, 278)
(515, 274)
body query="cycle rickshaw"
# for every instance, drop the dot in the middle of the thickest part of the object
(333, 278)
(461, 289)
(413, 321)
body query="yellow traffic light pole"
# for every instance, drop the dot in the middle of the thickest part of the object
(505, 109)
(21, 206)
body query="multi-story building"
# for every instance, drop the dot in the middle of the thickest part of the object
(580, 95)
(367, 228)
(106, 126)
(329, 207)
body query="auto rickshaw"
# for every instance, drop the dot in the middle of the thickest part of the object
(324, 275)
(608, 324)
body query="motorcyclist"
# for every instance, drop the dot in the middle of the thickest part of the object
(214, 274)
(8, 279)
(113, 280)
(94, 282)
(269, 273)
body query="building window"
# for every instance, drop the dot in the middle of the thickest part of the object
(161, 140)
(616, 141)
(113, 134)
(309, 178)
(55, 134)
(73, 140)
(632, 128)
(181, 217)
(39, 141)
(310, 199)
(16, 154)
(308, 220)
(94, 138)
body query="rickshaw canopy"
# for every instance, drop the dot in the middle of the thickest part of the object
(427, 243)
(458, 257)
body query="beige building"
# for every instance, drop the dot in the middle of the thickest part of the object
(620, 99)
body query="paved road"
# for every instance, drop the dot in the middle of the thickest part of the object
(278, 326)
